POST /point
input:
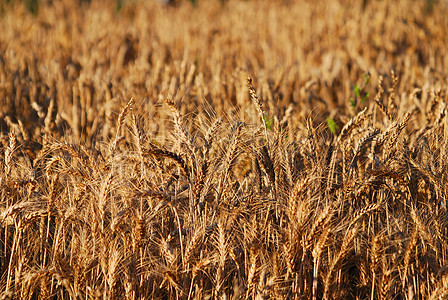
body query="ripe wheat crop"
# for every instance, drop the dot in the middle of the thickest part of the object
(223, 149)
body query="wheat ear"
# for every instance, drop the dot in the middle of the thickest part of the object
(120, 122)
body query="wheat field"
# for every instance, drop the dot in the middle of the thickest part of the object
(223, 149)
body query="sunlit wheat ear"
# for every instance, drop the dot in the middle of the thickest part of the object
(319, 223)
(209, 137)
(392, 93)
(51, 116)
(175, 157)
(251, 271)
(317, 251)
(258, 104)
(178, 126)
(254, 97)
(352, 124)
(183, 137)
(345, 247)
(120, 122)
(408, 255)
(211, 132)
(375, 254)
(367, 138)
(9, 152)
(378, 100)
(139, 135)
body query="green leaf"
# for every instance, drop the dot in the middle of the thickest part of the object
(268, 123)
(332, 126)
(366, 95)
(356, 89)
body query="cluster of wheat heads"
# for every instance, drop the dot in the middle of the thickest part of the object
(133, 168)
